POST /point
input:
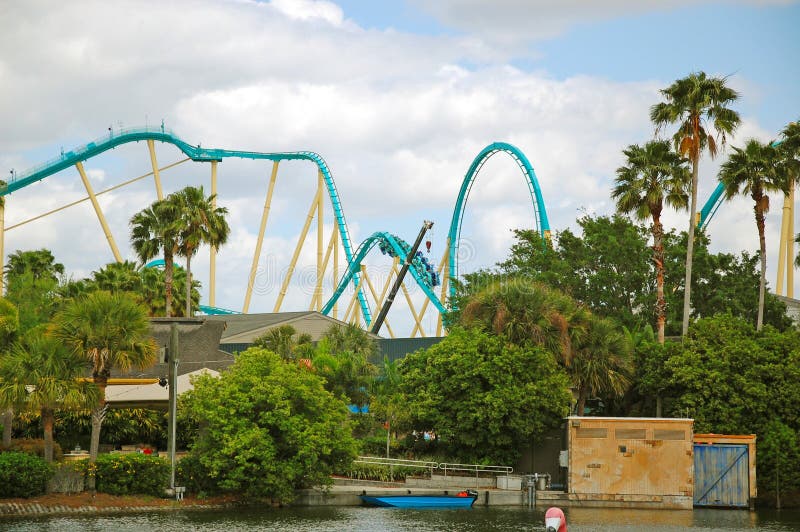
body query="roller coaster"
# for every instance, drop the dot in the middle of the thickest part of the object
(428, 277)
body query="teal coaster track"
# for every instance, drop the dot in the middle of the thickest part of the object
(421, 270)
(454, 235)
(196, 153)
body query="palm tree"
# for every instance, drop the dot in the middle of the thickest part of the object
(351, 338)
(280, 340)
(111, 331)
(756, 170)
(200, 223)
(40, 262)
(696, 103)
(654, 175)
(601, 362)
(9, 325)
(40, 373)
(118, 277)
(525, 311)
(155, 230)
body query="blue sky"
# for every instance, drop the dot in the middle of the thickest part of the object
(398, 97)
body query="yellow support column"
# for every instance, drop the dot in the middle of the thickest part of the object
(320, 228)
(264, 215)
(156, 175)
(410, 303)
(378, 302)
(445, 281)
(335, 267)
(318, 297)
(2, 245)
(212, 265)
(790, 246)
(300, 242)
(783, 244)
(99, 212)
(425, 304)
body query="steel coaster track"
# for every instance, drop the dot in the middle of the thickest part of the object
(540, 214)
(196, 153)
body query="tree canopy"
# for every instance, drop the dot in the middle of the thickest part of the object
(269, 427)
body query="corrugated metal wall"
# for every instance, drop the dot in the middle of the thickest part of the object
(721, 475)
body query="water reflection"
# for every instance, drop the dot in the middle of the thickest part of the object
(343, 519)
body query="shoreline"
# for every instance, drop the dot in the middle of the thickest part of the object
(86, 504)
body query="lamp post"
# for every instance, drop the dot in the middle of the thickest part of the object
(173, 399)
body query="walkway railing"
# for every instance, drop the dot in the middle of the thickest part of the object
(377, 460)
(442, 467)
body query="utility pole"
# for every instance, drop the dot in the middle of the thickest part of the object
(376, 325)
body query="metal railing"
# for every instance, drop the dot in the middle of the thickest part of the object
(476, 468)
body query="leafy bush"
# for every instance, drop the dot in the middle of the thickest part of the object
(131, 474)
(192, 474)
(23, 475)
(68, 477)
(34, 447)
(381, 473)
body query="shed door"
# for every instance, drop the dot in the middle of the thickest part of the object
(721, 475)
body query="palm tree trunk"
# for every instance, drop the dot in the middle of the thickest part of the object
(98, 415)
(763, 251)
(687, 285)
(8, 419)
(47, 423)
(189, 286)
(168, 269)
(658, 259)
(583, 394)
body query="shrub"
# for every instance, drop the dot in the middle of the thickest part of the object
(34, 447)
(381, 473)
(23, 475)
(131, 474)
(192, 474)
(68, 477)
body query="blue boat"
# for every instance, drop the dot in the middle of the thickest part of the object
(462, 499)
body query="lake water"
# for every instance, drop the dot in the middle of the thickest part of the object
(376, 519)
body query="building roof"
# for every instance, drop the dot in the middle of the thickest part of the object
(244, 328)
(150, 395)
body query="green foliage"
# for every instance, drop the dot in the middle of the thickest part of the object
(68, 477)
(268, 427)
(23, 475)
(733, 380)
(190, 472)
(129, 474)
(778, 459)
(34, 447)
(483, 397)
(381, 473)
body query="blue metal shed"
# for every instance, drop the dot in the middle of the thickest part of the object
(722, 475)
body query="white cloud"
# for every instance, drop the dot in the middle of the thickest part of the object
(397, 117)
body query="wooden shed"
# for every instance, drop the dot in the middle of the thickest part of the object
(725, 470)
(631, 461)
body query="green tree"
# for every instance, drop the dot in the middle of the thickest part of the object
(155, 230)
(9, 325)
(606, 267)
(41, 263)
(282, 340)
(601, 362)
(525, 313)
(696, 104)
(732, 379)
(201, 222)
(348, 374)
(111, 331)
(755, 170)
(351, 338)
(482, 396)
(117, 277)
(41, 374)
(269, 427)
(779, 458)
(653, 176)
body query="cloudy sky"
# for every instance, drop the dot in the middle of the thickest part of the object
(398, 97)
